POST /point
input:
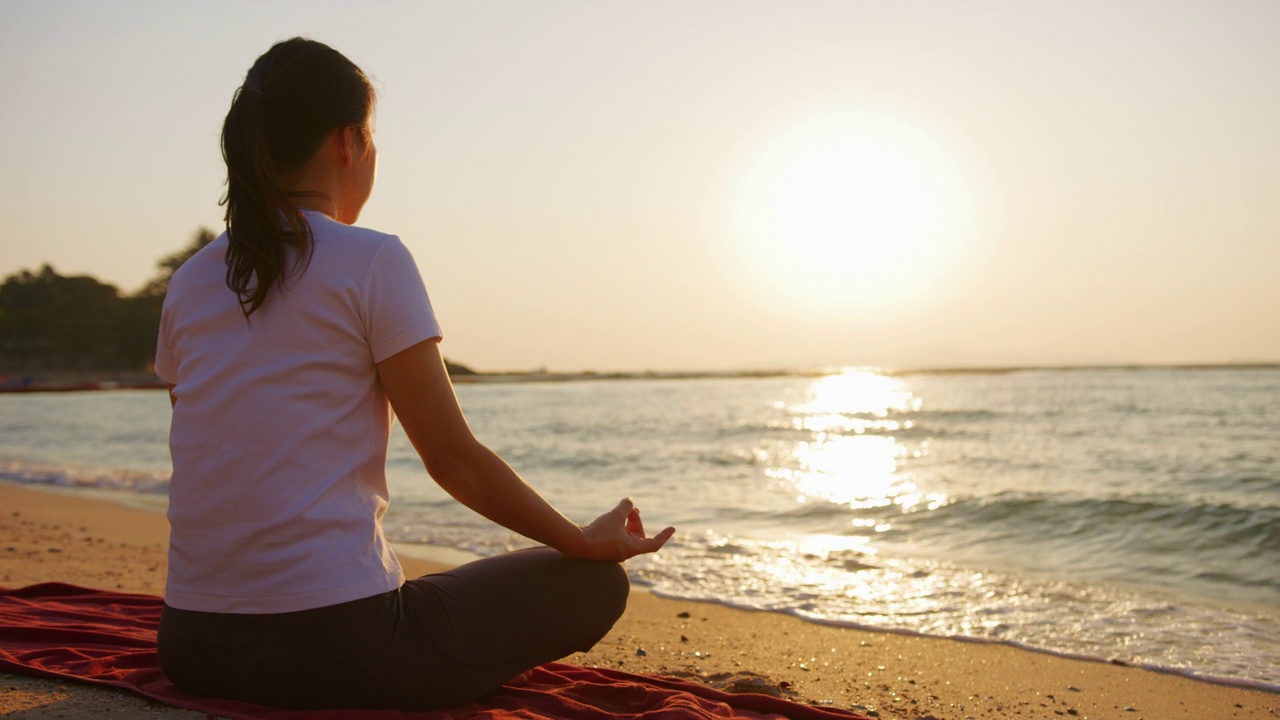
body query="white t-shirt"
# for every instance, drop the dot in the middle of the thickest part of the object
(279, 434)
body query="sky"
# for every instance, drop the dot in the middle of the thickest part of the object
(714, 184)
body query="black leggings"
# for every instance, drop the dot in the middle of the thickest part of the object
(438, 641)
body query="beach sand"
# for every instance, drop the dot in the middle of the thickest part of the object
(59, 536)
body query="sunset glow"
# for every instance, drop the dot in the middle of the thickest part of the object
(632, 186)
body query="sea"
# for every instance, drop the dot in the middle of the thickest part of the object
(1129, 515)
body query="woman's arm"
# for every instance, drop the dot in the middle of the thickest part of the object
(422, 396)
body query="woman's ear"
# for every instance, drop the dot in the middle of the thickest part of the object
(345, 142)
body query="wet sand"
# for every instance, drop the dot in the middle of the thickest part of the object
(91, 541)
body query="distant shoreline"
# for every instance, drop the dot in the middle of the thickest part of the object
(76, 381)
(1074, 368)
(63, 381)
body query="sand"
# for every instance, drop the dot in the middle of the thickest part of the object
(99, 542)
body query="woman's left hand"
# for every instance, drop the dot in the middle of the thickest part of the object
(619, 534)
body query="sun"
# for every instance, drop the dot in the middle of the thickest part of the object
(855, 207)
(847, 209)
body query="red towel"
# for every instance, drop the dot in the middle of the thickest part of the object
(109, 638)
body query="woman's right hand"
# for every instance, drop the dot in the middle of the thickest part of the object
(619, 534)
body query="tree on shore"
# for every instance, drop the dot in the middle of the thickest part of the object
(51, 322)
(169, 264)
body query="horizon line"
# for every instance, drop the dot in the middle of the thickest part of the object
(589, 374)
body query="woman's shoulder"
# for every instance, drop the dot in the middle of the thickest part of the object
(351, 238)
(212, 255)
(345, 254)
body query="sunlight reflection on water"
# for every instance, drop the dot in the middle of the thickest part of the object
(851, 459)
(857, 392)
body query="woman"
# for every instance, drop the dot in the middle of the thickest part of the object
(286, 343)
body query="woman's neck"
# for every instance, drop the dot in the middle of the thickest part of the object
(327, 182)
(314, 200)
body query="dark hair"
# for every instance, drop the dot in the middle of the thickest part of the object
(293, 97)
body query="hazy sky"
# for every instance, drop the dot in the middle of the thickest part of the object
(688, 185)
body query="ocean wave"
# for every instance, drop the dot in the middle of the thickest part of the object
(85, 477)
(806, 428)
(1206, 518)
(1258, 483)
(919, 597)
(1161, 540)
(959, 415)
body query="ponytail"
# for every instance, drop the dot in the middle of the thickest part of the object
(293, 97)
